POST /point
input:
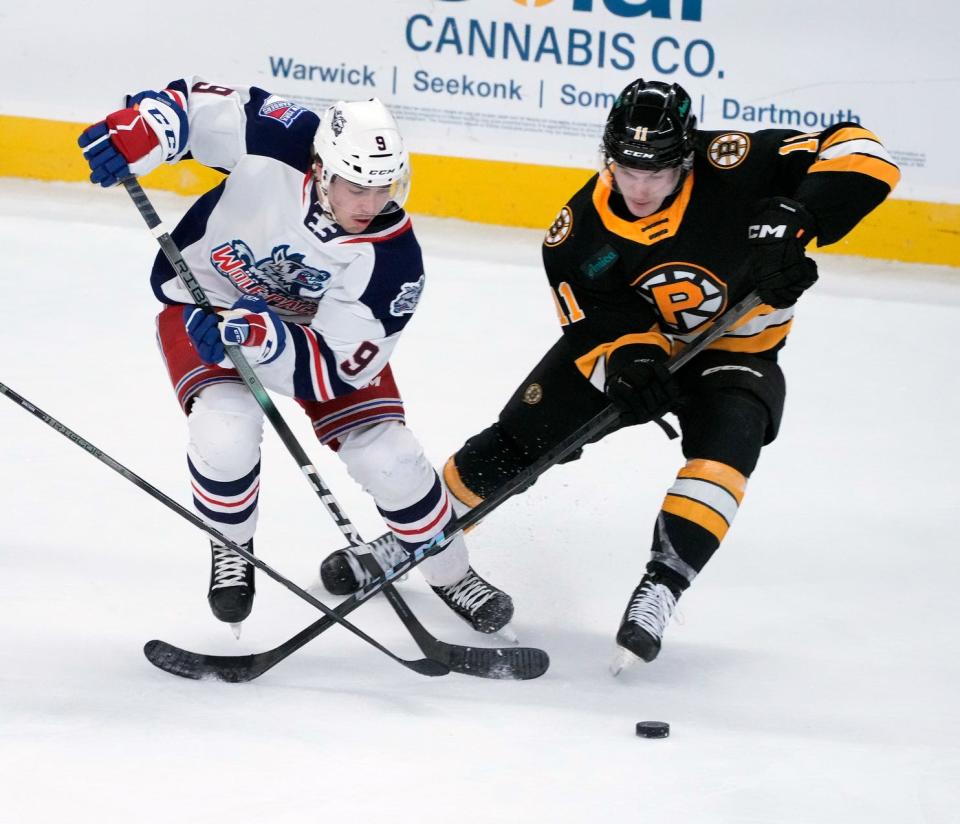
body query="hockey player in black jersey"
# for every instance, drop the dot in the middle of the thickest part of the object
(678, 225)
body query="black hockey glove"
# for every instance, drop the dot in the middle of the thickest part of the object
(640, 386)
(779, 266)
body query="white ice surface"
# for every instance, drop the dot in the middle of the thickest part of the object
(814, 679)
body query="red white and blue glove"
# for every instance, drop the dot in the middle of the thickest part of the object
(153, 129)
(249, 323)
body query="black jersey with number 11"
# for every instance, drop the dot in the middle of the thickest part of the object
(659, 280)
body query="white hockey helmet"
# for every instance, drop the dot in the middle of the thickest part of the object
(360, 142)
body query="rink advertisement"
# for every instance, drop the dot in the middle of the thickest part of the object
(527, 83)
(532, 81)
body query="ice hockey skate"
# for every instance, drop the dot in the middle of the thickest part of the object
(483, 606)
(641, 629)
(341, 572)
(232, 588)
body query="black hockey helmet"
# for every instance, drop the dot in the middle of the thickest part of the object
(650, 127)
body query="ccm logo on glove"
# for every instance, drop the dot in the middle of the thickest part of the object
(153, 129)
(779, 267)
(757, 232)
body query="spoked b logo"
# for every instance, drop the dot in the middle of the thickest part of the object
(684, 295)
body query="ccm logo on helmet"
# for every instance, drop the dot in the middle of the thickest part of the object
(381, 172)
(760, 231)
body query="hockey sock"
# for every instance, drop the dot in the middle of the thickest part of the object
(229, 505)
(696, 514)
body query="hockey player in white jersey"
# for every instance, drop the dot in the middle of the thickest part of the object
(314, 267)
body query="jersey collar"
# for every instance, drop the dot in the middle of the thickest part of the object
(646, 230)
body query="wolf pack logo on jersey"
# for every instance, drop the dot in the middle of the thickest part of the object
(728, 150)
(283, 111)
(686, 296)
(337, 122)
(282, 280)
(407, 300)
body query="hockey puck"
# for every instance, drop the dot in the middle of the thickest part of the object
(653, 729)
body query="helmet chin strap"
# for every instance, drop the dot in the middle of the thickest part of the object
(685, 168)
(323, 197)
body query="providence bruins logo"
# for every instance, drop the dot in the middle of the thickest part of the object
(560, 229)
(683, 295)
(728, 150)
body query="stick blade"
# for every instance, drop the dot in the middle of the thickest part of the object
(233, 669)
(501, 663)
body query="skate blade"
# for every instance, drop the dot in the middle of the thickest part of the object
(507, 635)
(622, 659)
(236, 629)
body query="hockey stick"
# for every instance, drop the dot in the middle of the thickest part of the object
(248, 667)
(424, 666)
(456, 656)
